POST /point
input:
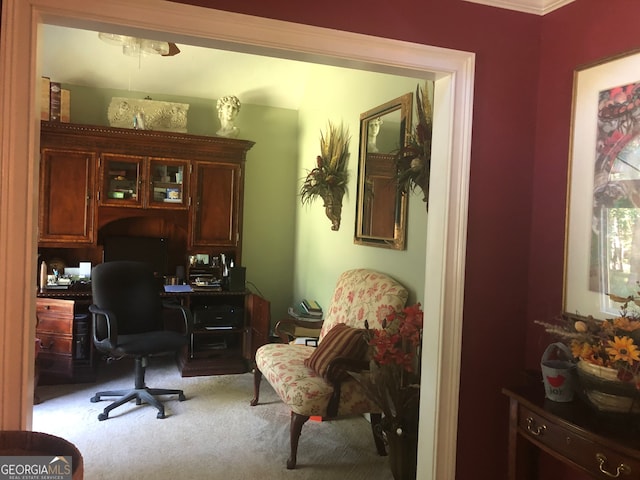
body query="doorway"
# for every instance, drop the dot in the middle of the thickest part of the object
(446, 236)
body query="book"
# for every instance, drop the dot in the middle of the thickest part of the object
(311, 306)
(302, 314)
(44, 98)
(54, 101)
(65, 105)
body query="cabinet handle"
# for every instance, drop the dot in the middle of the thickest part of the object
(46, 347)
(532, 429)
(620, 469)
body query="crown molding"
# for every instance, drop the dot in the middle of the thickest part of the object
(536, 7)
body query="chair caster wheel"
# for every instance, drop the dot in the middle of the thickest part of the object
(160, 415)
(103, 416)
(181, 397)
(95, 399)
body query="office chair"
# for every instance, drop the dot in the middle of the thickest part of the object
(128, 322)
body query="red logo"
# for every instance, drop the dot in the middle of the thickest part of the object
(556, 381)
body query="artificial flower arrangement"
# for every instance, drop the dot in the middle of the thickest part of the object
(329, 178)
(393, 379)
(607, 352)
(413, 161)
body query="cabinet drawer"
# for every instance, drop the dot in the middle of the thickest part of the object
(588, 454)
(55, 344)
(54, 316)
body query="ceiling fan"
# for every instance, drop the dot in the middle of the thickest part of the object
(134, 46)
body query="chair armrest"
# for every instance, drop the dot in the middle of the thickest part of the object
(185, 312)
(110, 323)
(290, 328)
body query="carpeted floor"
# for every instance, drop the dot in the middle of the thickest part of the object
(214, 434)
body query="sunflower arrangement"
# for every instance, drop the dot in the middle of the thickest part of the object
(613, 343)
(329, 178)
(413, 161)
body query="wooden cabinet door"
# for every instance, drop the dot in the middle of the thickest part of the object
(66, 207)
(216, 206)
(259, 314)
(168, 183)
(121, 182)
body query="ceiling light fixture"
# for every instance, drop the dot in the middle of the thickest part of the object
(134, 46)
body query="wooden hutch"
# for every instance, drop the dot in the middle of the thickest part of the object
(100, 182)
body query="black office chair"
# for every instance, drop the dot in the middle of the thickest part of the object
(128, 322)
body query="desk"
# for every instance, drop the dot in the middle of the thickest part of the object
(572, 432)
(210, 352)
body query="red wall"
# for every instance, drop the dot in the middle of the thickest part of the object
(576, 35)
(524, 67)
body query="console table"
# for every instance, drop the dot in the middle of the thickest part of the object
(603, 446)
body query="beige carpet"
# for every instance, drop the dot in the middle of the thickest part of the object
(214, 434)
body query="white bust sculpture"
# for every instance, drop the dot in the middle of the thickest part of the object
(373, 130)
(228, 109)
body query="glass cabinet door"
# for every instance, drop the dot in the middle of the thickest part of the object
(121, 180)
(168, 179)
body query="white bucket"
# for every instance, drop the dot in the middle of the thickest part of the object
(558, 374)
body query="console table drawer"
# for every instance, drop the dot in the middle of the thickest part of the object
(598, 459)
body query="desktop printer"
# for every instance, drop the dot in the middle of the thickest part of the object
(218, 316)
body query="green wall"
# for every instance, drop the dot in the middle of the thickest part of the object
(322, 254)
(289, 249)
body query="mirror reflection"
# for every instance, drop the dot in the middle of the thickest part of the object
(381, 214)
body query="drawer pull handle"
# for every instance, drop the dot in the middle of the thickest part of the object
(620, 469)
(537, 431)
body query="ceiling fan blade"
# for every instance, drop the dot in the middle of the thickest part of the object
(173, 50)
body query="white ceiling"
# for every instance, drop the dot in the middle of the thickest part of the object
(79, 57)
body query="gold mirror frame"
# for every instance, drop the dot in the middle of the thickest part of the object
(381, 215)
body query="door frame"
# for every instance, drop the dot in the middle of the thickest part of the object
(451, 70)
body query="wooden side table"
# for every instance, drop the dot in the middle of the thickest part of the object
(603, 446)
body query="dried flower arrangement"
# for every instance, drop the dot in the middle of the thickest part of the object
(413, 161)
(329, 178)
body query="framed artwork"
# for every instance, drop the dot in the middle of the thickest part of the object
(602, 250)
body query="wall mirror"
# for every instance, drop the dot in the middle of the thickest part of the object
(381, 216)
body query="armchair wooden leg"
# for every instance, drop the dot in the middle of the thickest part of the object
(297, 421)
(257, 378)
(376, 428)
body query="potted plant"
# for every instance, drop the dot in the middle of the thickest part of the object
(328, 180)
(393, 382)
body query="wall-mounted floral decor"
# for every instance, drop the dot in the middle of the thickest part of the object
(328, 180)
(414, 160)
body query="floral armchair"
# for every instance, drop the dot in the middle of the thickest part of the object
(313, 381)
